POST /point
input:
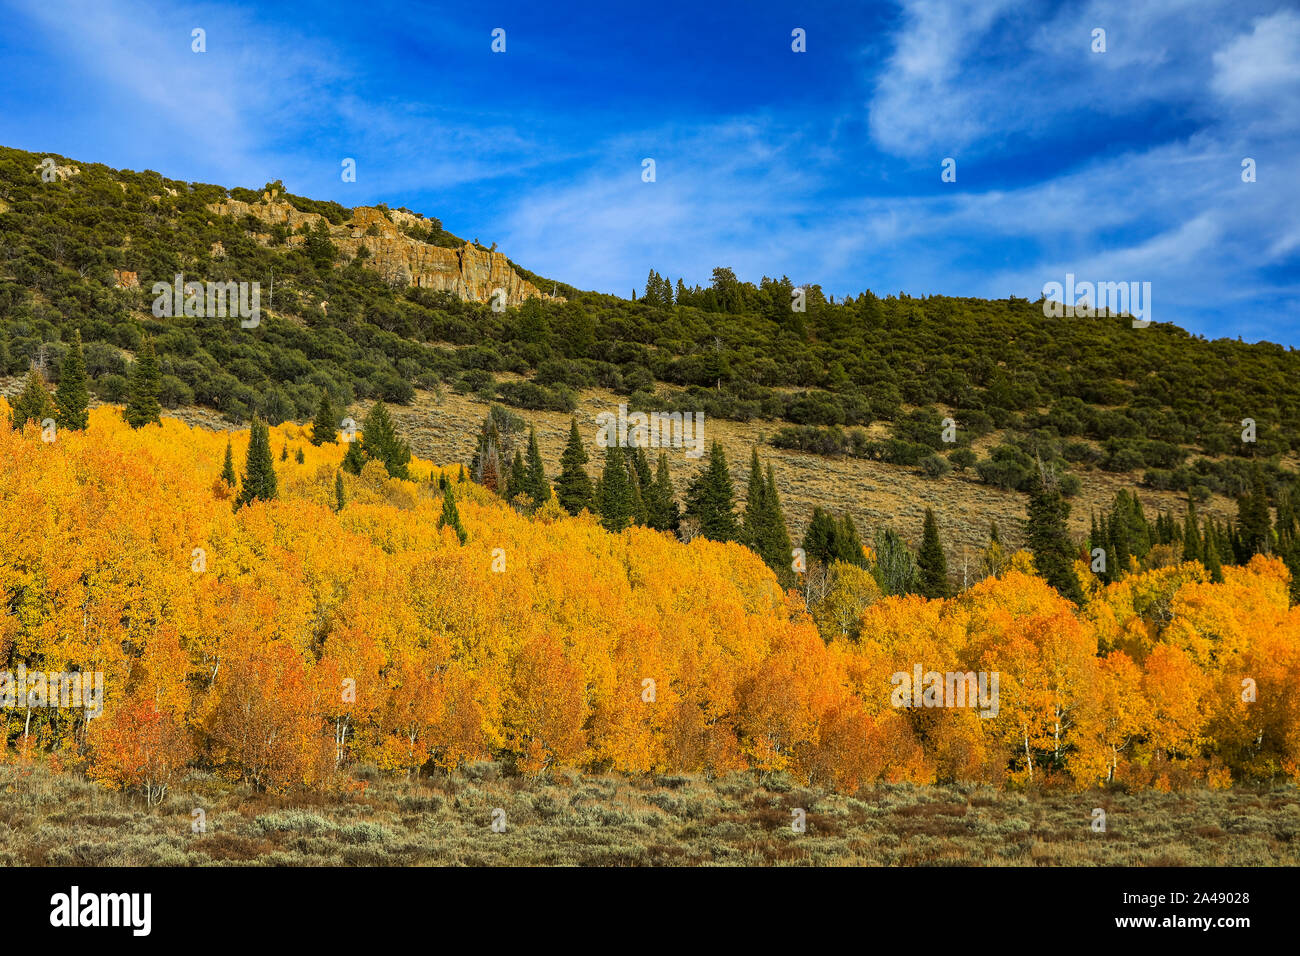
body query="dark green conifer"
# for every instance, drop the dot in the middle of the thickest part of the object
(72, 396)
(709, 499)
(931, 564)
(323, 429)
(145, 384)
(259, 471)
(1049, 539)
(573, 488)
(450, 516)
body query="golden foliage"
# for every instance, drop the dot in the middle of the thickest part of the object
(305, 639)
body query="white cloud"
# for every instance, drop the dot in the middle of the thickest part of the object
(1262, 62)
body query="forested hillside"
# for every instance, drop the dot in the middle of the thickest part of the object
(1077, 393)
(259, 611)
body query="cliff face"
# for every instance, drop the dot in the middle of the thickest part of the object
(468, 272)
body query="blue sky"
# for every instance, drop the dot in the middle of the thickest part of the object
(824, 165)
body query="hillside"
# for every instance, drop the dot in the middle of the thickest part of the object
(848, 398)
(280, 643)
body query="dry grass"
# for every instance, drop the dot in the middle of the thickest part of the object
(872, 492)
(574, 819)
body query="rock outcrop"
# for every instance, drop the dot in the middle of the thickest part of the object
(469, 271)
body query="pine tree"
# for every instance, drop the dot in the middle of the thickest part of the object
(636, 466)
(451, 517)
(299, 458)
(1213, 566)
(379, 441)
(1119, 534)
(614, 499)
(819, 538)
(1048, 538)
(931, 565)
(1191, 534)
(33, 403)
(72, 396)
(709, 499)
(517, 478)
(284, 452)
(895, 568)
(259, 471)
(228, 468)
(764, 529)
(753, 523)
(1254, 522)
(848, 543)
(776, 549)
(662, 512)
(142, 406)
(573, 488)
(323, 430)
(353, 459)
(1291, 557)
(339, 499)
(535, 485)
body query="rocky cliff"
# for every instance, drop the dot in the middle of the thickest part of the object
(468, 271)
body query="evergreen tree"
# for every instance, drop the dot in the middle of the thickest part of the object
(379, 441)
(1191, 534)
(764, 529)
(284, 452)
(33, 403)
(931, 565)
(753, 527)
(72, 396)
(819, 538)
(1254, 521)
(662, 512)
(848, 543)
(614, 499)
(339, 499)
(709, 499)
(536, 486)
(228, 468)
(994, 537)
(451, 517)
(298, 457)
(353, 459)
(1048, 538)
(776, 550)
(573, 487)
(1292, 559)
(1212, 563)
(1118, 533)
(636, 465)
(895, 568)
(517, 478)
(145, 384)
(259, 471)
(323, 430)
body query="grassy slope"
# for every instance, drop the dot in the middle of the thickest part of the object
(443, 429)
